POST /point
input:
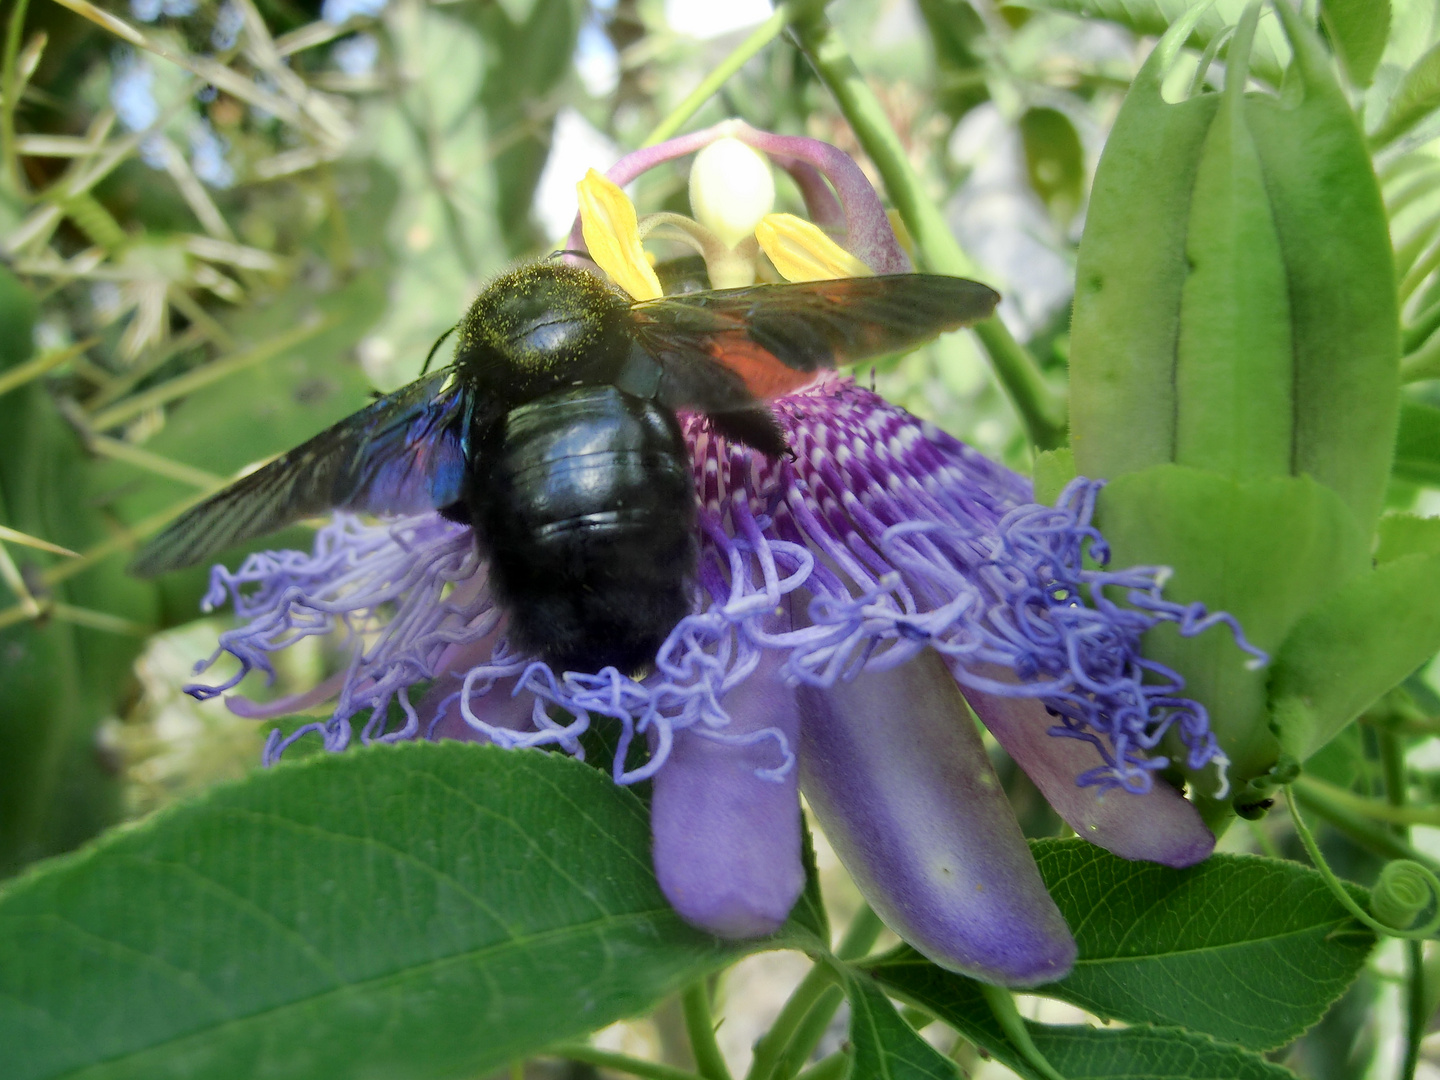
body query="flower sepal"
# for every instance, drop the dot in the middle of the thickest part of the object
(1234, 376)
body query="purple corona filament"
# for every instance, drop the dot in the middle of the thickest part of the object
(898, 538)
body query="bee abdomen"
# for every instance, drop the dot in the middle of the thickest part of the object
(585, 507)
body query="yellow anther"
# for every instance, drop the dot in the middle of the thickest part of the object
(611, 231)
(802, 252)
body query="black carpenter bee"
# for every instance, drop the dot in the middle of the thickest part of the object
(553, 433)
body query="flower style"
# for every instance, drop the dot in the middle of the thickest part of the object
(852, 599)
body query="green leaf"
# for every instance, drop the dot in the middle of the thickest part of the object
(413, 911)
(1245, 949)
(1054, 160)
(1076, 1052)
(1149, 1053)
(1417, 96)
(1053, 470)
(1406, 534)
(957, 34)
(530, 59)
(1154, 17)
(1417, 444)
(885, 1046)
(809, 923)
(1265, 551)
(1358, 29)
(1351, 648)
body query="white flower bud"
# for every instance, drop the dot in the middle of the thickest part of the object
(731, 189)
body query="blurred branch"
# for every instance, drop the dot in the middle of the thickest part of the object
(210, 71)
(1423, 363)
(593, 1055)
(32, 369)
(765, 33)
(1041, 410)
(12, 81)
(204, 376)
(14, 536)
(1375, 809)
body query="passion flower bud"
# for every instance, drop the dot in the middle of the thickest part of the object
(731, 189)
(1234, 376)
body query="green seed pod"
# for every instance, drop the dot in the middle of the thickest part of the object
(1234, 374)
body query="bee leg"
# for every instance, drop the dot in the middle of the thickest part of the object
(755, 427)
(457, 512)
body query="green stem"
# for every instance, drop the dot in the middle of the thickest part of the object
(592, 1055)
(1375, 809)
(1002, 1004)
(1338, 888)
(1423, 363)
(770, 1049)
(1040, 408)
(808, 1034)
(1367, 834)
(1417, 1012)
(832, 1068)
(1418, 332)
(700, 1026)
(860, 935)
(1392, 765)
(10, 88)
(810, 996)
(765, 33)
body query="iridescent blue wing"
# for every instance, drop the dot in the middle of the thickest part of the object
(402, 454)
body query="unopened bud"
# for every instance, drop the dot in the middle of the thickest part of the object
(731, 189)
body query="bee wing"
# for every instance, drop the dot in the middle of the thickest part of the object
(402, 454)
(775, 337)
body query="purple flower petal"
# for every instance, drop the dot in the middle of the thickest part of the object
(726, 826)
(897, 776)
(1158, 824)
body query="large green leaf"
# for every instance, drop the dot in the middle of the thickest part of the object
(1248, 950)
(1358, 30)
(884, 1045)
(1076, 1052)
(412, 911)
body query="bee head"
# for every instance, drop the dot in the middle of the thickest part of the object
(540, 328)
